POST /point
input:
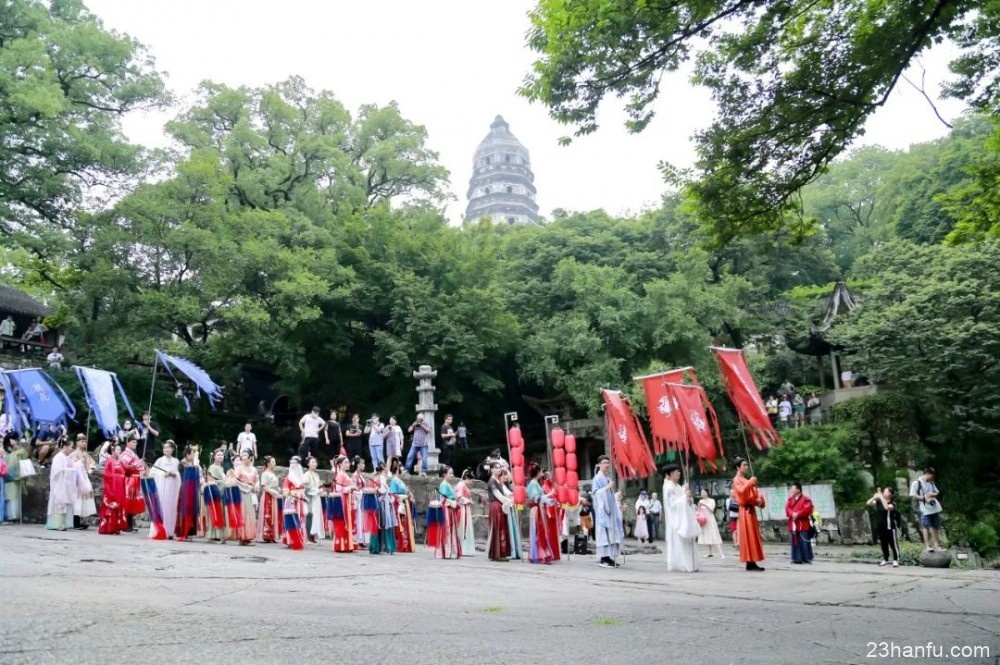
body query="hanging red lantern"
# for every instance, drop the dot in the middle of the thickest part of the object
(517, 458)
(560, 475)
(558, 458)
(518, 473)
(571, 462)
(570, 443)
(520, 495)
(574, 497)
(563, 494)
(514, 438)
(558, 438)
(572, 480)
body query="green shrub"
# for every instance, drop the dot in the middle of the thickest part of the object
(809, 455)
(909, 554)
(983, 538)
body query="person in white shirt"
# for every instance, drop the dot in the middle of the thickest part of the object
(247, 440)
(926, 497)
(655, 510)
(55, 359)
(784, 411)
(393, 439)
(310, 425)
(376, 433)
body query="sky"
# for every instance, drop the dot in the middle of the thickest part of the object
(452, 65)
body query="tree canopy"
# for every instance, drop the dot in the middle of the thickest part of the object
(793, 80)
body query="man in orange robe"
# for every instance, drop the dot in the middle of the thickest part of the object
(751, 548)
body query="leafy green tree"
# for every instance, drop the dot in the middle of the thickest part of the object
(794, 82)
(65, 82)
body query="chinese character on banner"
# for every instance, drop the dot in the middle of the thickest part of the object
(41, 391)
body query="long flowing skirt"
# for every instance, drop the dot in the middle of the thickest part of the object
(751, 549)
(248, 529)
(152, 498)
(435, 520)
(552, 518)
(134, 504)
(214, 517)
(449, 545)
(3, 517)
(187, 503)
(465, 530)
(709, 530)
(232, 503)
(514, 528)
(270, 522)
(85, 506)
(802, 551)
(369, 510)
(498, 540)
(317, 522)
(12, 500)
(293, 531)
(112, 518)
(342, 518)
(169, 489)
(539, 545)
(385, 539)
(360, 536)
(404, 530)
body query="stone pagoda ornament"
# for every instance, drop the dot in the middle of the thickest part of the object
(426, 406)
(502, 186)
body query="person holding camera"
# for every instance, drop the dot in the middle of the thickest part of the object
(376, 440)
(926, 499)
(418, 444)
(887, 520)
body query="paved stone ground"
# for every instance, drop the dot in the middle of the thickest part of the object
(78, 597)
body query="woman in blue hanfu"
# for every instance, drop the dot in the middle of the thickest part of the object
(608, 529)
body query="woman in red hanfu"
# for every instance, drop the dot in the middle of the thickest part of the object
(294, 492)
(751, 549)
(134, 468)
(552, 514)
(112, 515)
(799, 509)
(365, 505)
(270, 521)
(341, 507)
(403, 502)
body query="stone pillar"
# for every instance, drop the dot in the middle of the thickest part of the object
(426, 406)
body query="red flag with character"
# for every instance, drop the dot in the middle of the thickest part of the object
(746, 398)
(630, 451)
(701, 427)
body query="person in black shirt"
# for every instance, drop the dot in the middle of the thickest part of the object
(447, 442)
(887, 522)
(333, 434)
(353, 438)
(148, 431)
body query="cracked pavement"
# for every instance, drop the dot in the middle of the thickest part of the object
(79, 597)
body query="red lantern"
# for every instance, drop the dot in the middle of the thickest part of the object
(514, 438)
(560, 475)
(520, 495)
(516, 458)
(558, 437)
(518, 476)
(570, 444)
(559, 458)
(563, 495)
(571, 461)
(574, 497)
(572, 480)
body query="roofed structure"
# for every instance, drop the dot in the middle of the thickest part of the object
(15, 301)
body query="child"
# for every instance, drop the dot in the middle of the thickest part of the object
(641, 529)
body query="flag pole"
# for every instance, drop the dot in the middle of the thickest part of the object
(152, 388)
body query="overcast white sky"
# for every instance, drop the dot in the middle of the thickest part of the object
(452, 65)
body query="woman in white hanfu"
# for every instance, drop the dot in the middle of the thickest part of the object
(709, 535)
(681, 526)
(166, 473)
(62, 489)
(85, 505)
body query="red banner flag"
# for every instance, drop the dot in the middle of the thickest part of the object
(746, 398)
(701, 427)
(662, 412)
(630, 452)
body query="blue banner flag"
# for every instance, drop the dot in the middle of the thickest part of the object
(12, 419)
(202, 381)
(99, 387)
(38, 398)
